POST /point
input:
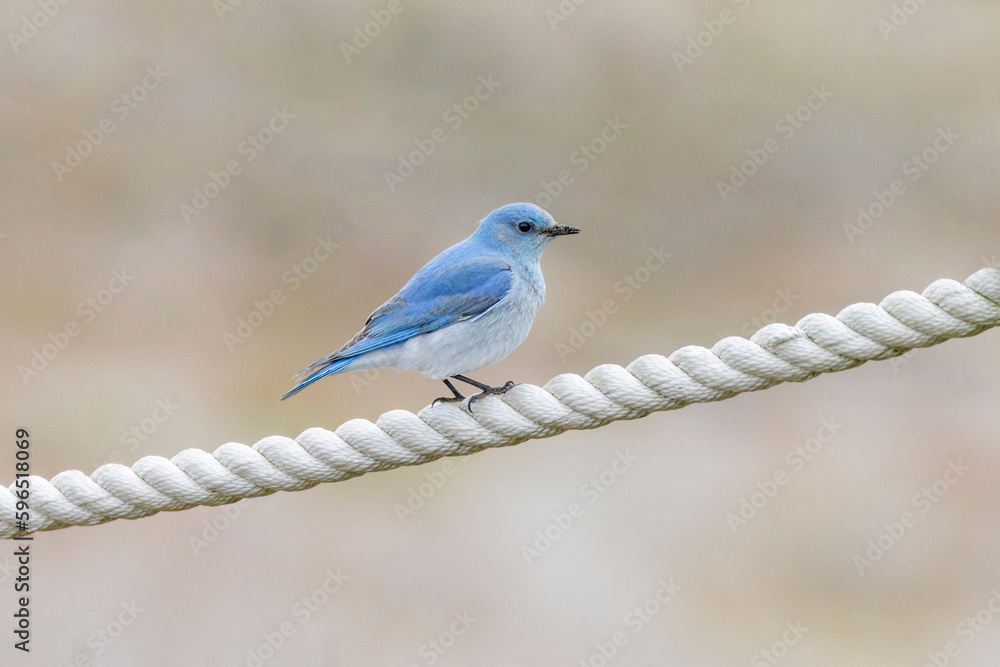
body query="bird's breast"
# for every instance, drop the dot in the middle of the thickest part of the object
(467, 346)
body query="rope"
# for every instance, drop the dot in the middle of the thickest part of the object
(777, 353)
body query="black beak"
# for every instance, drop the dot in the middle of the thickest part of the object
(560, 230)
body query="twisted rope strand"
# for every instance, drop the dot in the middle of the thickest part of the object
(777, 353)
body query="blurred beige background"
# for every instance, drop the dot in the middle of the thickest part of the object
(302, 131)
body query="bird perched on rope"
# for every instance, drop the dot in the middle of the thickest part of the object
(468, 308)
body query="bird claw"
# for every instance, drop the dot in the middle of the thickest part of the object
(448, 399)
(491, 391)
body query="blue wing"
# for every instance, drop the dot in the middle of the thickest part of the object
(440, 294)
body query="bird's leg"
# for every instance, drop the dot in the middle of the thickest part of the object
(449, 399)
(484, 389)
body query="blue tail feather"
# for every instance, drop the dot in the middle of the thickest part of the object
(329, 369)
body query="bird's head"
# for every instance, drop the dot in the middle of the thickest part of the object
(522, 229)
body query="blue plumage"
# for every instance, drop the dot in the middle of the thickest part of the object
(465, 309)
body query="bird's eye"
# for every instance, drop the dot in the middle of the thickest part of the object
(524, 227)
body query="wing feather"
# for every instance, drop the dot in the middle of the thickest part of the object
(440, 294)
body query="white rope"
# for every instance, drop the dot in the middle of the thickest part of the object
(777, 353)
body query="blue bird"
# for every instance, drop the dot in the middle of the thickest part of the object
(468, 308)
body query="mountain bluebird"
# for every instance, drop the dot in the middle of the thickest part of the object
(469, 307)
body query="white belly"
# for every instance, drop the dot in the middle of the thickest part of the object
(466, 346)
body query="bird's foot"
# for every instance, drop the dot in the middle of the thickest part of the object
(448, 399)
(454, 398)
(491, 391)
